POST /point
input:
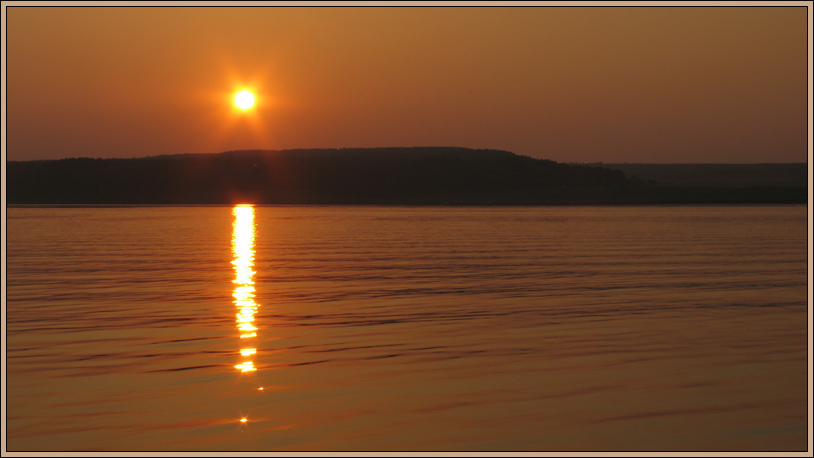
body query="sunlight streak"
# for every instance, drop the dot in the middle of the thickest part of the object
(244, 293)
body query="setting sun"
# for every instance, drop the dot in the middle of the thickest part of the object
(244, 100)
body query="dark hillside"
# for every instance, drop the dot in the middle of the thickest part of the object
(716, 175)
(326, 176)
(389, 176)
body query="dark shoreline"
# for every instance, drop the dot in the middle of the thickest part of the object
(102, 206)
(421, 176)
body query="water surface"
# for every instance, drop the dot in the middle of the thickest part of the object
(392, 328)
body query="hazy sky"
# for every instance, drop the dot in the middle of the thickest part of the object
(570, 84)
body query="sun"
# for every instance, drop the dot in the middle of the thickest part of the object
(244, 100)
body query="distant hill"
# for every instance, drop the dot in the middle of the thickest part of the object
(388, 176)
(716, 175)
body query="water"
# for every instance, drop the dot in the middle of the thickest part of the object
(388, 328)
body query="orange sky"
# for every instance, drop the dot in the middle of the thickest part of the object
(611, 84)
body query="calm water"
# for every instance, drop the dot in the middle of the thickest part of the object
(379, 328)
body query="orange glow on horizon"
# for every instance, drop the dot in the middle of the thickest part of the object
(330, 78)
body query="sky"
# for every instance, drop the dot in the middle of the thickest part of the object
(569, 84)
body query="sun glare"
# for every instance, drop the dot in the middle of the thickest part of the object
(244, 100)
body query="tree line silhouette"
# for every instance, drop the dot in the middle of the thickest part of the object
(388, 176)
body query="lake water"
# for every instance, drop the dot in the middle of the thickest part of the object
(421, 328)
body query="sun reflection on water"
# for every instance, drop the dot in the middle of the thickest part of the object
(244, 292)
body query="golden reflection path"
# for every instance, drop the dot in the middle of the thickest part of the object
(244, 292)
